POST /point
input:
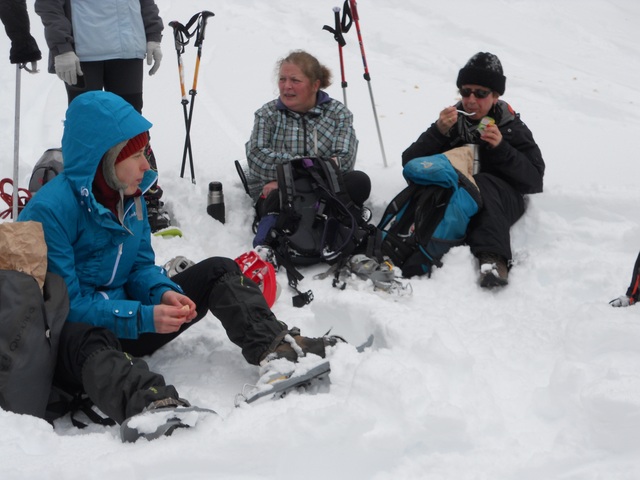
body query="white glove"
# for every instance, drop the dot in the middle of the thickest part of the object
(621, 301)
(67, 67)
(154, 55)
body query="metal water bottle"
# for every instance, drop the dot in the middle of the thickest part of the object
(476, 157)
(215, 201)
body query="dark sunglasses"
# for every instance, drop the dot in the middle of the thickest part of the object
(466, 92)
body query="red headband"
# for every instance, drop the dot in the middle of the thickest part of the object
(133, 145)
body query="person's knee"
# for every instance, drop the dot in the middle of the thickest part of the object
(219, 266)
(358, 185)
(81, 341)
(87, 337)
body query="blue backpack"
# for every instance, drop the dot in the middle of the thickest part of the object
(429, 216)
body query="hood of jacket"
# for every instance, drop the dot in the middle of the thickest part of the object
(95, 122)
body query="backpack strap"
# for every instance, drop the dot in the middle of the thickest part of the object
(82, 403)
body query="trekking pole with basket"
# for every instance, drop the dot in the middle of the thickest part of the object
(182, 34)
(16, 202)
(352, 10)
(340, 26)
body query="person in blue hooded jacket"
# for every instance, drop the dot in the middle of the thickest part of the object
(102, 46)
(99, 241)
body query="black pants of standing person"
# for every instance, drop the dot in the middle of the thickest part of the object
(489, 229)
(218, 286)
(121, 76)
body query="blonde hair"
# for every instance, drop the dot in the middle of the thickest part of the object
(309, 65)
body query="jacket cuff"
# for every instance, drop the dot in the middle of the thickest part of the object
(156, 293)
(145, 319)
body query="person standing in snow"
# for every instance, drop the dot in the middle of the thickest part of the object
(100, 244)
(24, 48)
(511, 163)
(102, 46)
(304, 121)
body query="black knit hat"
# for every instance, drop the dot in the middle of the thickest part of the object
(483, 69)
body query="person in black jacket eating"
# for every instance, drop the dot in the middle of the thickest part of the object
(510, 161)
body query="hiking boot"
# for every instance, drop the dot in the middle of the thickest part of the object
(159, 218)
(290, 345)
(168, 402)
(177, 265)
(494, 271)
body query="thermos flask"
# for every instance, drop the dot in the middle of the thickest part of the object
(215, 201)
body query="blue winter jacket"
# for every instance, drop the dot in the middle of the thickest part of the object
(108, 267)
(99, 30)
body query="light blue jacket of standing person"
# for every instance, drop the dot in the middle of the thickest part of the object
(99, 30)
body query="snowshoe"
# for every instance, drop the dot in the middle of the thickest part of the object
(158, 422)
(282, 377)
(382, 276)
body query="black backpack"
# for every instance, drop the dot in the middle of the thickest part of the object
(30, 326)
(430, 215)
(317, 221)
(46, 168)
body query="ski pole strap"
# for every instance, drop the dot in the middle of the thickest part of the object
(24, 196)
(337, 31)
(182, 33)
(346, 14)
(180, 36)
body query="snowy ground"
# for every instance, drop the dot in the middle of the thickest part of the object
(538, 381)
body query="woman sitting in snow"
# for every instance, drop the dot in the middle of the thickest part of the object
(511, 163)
(304, 121)
(99, 242)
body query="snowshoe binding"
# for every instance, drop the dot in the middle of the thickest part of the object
(281, 377)
(382, 276)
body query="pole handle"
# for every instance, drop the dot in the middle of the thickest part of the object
(204, 15)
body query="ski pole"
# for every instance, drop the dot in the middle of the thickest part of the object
(202, 23)
(16, 146)
(181, 39)
(367, 76)
(182, 35)
(338, 37)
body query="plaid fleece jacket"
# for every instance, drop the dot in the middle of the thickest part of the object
(280, 135)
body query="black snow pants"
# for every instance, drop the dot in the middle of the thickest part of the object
(218, 286)
(488, 230)
(90, 360)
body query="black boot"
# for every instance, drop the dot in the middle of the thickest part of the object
(291, 345)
